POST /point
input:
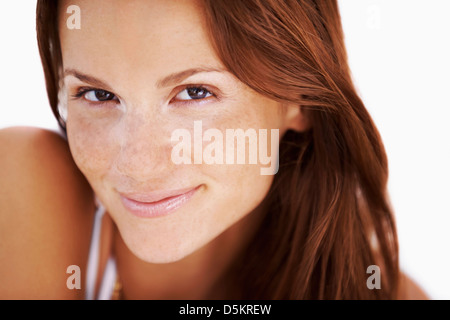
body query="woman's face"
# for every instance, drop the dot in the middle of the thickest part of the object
(135, 72)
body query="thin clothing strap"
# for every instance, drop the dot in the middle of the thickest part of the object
(109, 280)
(92, 266)
(107, 283)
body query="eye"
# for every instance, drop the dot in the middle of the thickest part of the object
(98, 95)
(193, 93)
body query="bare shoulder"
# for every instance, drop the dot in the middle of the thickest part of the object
(410, 290)
(46, 210)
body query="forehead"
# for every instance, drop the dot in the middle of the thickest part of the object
(138, 36)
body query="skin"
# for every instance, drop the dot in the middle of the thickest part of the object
(124, 145)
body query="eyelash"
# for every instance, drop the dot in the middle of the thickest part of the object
(195, 101)
(81, 91)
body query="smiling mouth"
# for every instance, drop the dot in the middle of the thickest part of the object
(158, 203)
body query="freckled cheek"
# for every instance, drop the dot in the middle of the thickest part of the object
(240, 185)
(244, 185)
(92, 149)
(238, 189)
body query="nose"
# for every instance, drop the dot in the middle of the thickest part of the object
(144, 147)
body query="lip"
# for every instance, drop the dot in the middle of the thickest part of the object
(156, 203)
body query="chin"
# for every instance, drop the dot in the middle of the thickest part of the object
(160, 250)
(162, 257)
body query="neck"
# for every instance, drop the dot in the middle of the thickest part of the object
(197, 276)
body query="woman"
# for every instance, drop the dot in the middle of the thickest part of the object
(112, 200)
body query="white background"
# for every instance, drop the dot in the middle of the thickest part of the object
(399, 53)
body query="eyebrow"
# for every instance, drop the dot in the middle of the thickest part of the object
(180, 76)
(87, 78)
(164, 82)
